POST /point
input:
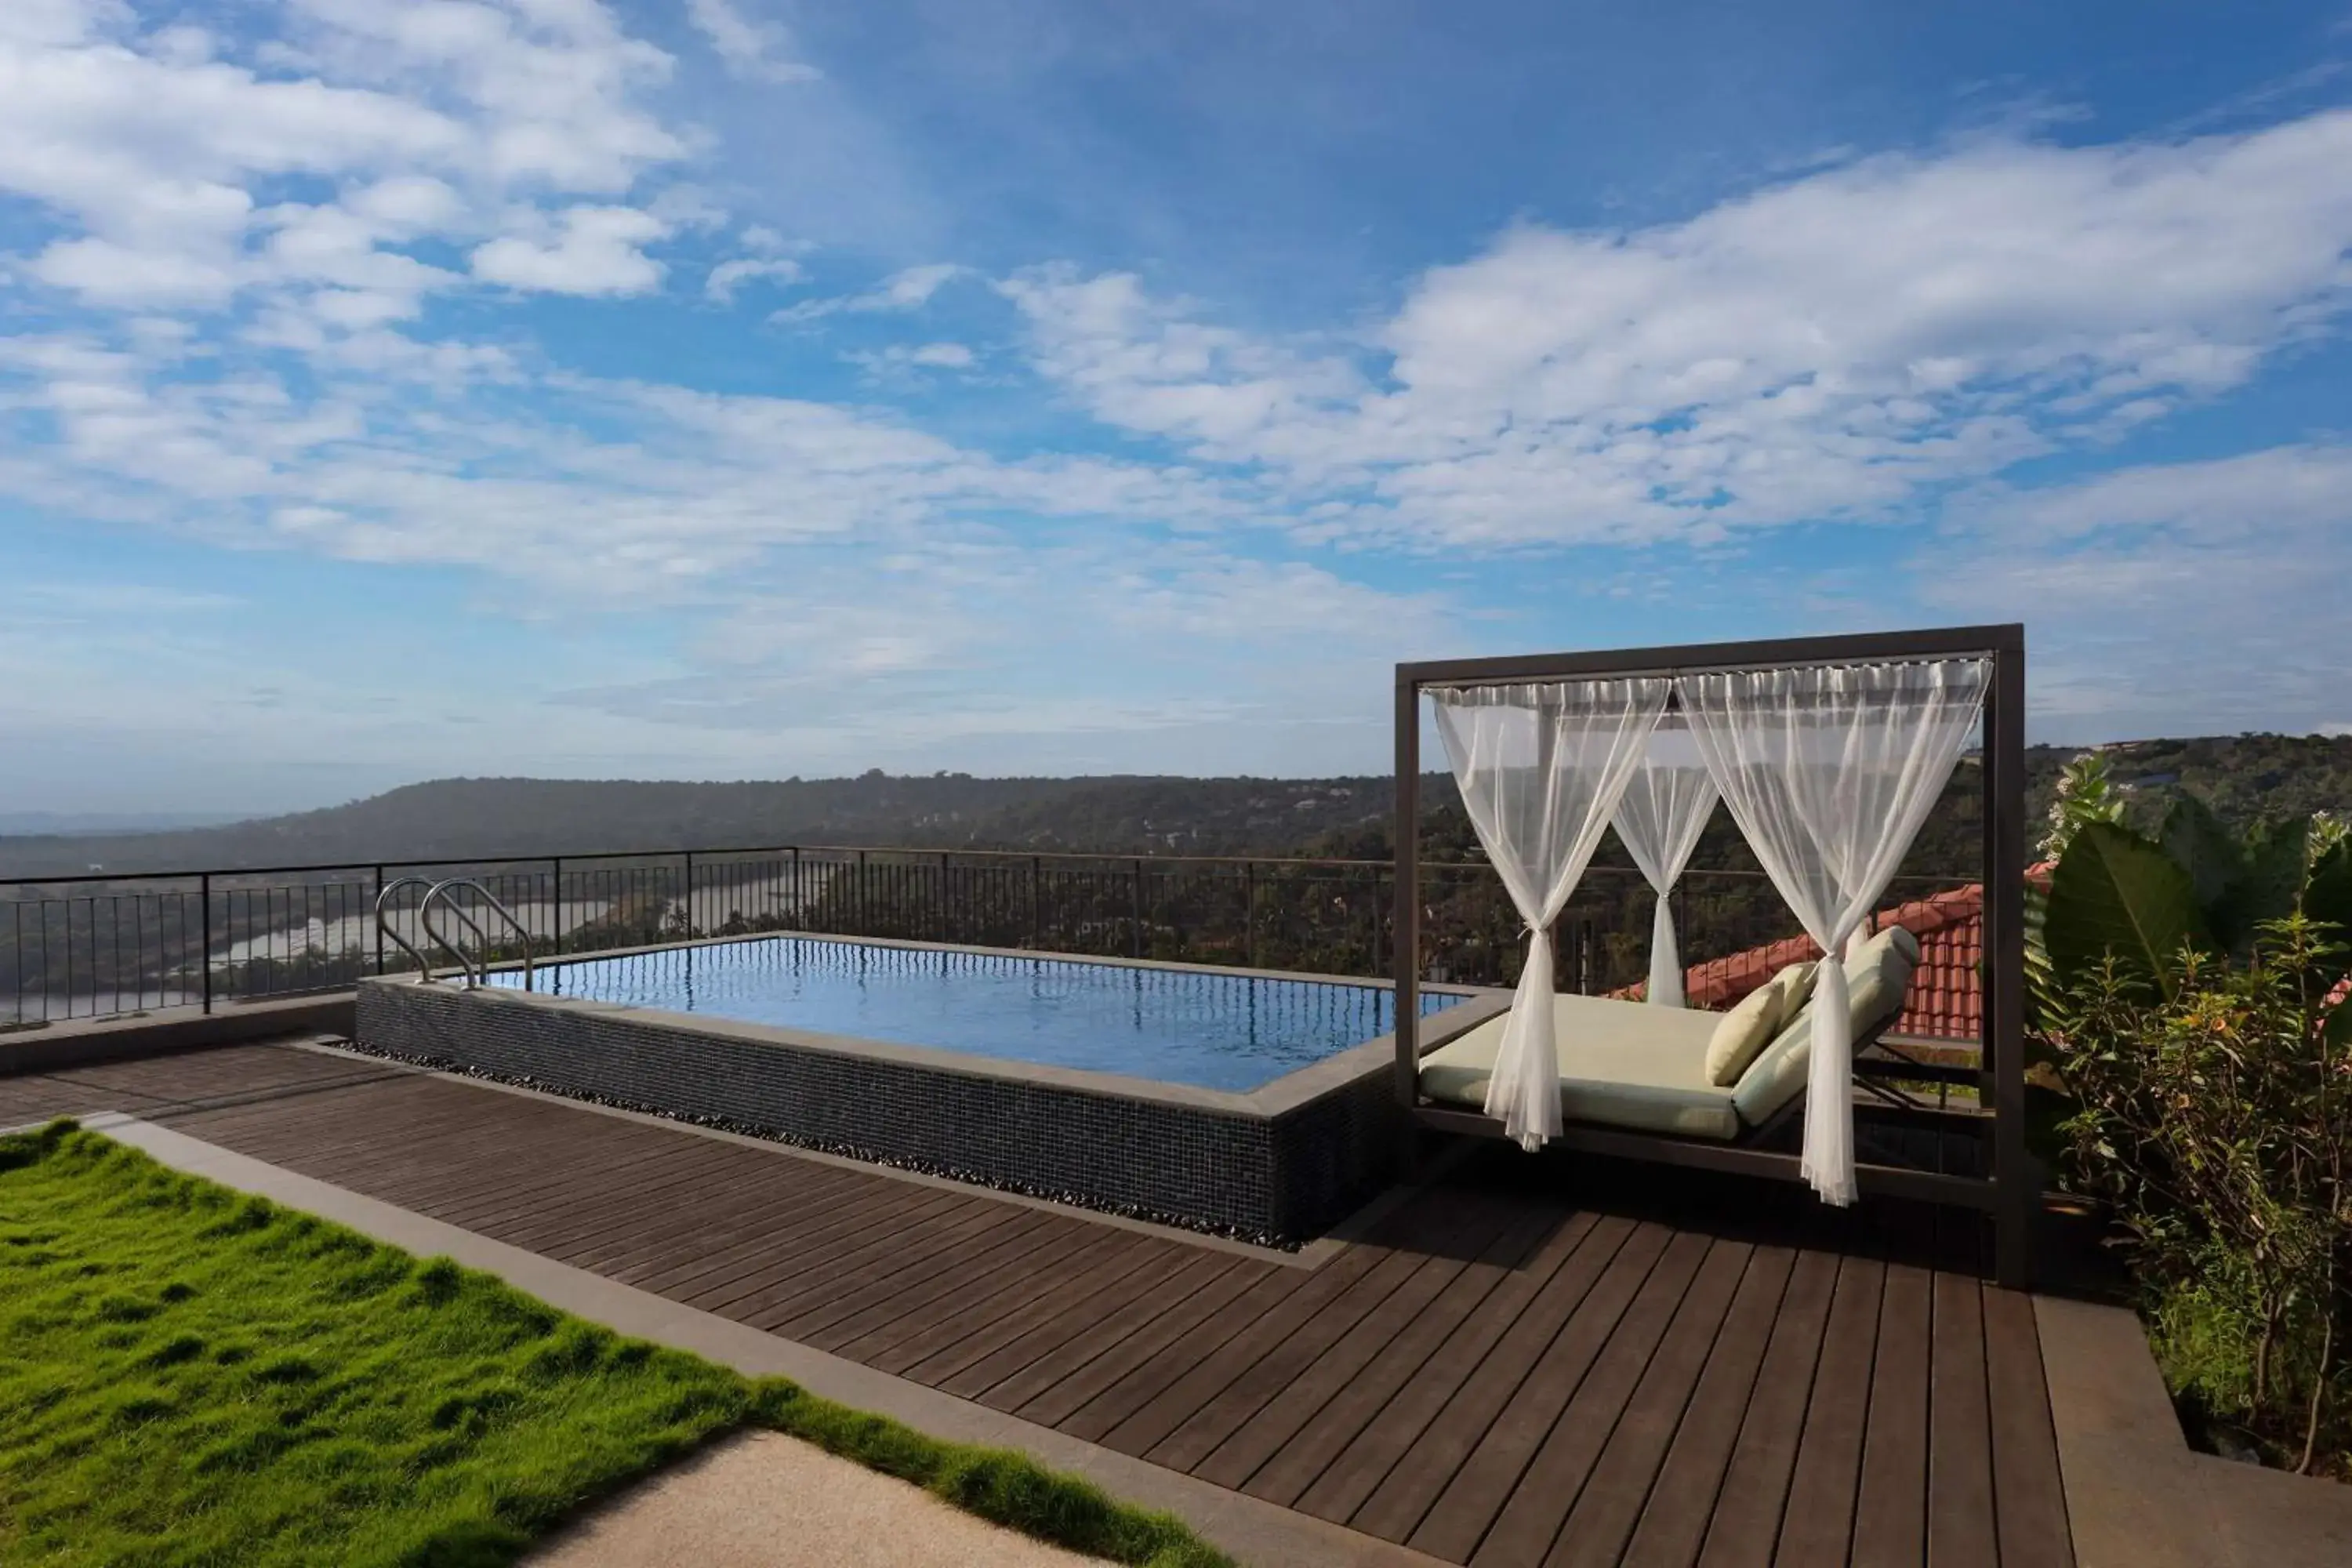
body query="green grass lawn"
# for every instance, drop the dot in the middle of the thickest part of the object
(192, 1376)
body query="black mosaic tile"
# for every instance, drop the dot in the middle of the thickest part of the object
(1268, 1177)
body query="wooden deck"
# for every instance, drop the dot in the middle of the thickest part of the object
(1529, 1362)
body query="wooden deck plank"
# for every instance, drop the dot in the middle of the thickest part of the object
(594, 1207)
(2029, 1500)
(1051, 1390)
(875, 1253)
(1817, 1523)
(217, 1072)
(1673, 1526)
(676, 1188)
(789, 1246)
(1396, 1360)
(348, 1124)
(776, 1275)
(40, 1097)
(433, 1158)
(777, 1221)
(675, 1272)
(759, 1204)
(1275, 1292)
(639, 1176)
(1458, 1520)
(1166, 1425)
(1367, 1457)
(1625, 1465)
(1890, 1515)
(1314, 1359)
(1169, 1270)
(1961, 1529)
(1247, 1423)
(342, 1104)
(1522, 1532)
(1011, 1254)
(978, 1304)
(1435, 1457)
(1110, 1268)
(1745, 1521)
(1592, 1387)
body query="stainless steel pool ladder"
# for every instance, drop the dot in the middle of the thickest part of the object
(474, 970)
(439, 892)
(385, 927)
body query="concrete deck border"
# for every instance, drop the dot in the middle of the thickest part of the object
(1256, 1532)
(2137, 1496)
(83, 1042)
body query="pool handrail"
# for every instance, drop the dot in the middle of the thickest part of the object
(440, 893)
(385, 927)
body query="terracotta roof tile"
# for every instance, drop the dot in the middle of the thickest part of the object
(1946, 999)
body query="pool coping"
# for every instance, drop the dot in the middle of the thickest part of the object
(1275, 1098)
(1277, 1164)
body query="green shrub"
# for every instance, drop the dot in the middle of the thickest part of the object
(2214, 1116)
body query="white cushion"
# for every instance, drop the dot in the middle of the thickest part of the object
(1746, 1029)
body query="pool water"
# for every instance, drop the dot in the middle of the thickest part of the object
(1176, 1026)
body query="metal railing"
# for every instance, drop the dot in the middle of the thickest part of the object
(443, 895)
(99, 946)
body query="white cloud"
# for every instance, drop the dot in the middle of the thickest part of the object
(760, 50)
(908, 289)
(2199, 597)
(905, 359)
(1838, 346)
(728, 276)
(182, 177)
(596, 251)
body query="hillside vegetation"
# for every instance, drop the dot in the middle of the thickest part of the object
(2243, 777)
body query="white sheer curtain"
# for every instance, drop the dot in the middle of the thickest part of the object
(1664, 810)
(1540, 768)
(1829, 773)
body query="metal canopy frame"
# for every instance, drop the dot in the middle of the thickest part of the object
(2012, 1194)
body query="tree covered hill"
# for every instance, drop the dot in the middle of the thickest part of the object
(2245, 777)
(484, 818)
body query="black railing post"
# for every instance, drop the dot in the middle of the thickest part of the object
(557, 943)
(689, 893)
(1036, 905)
(864, 924)
(376, 904)
(205, 893)
(799, 899)
(1249, 912)
(1137, 942)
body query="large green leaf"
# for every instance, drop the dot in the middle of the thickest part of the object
(2114, 892)
(2201, 844)
(2267, 887)
(2327, 896)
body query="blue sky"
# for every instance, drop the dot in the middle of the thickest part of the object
(735, 388)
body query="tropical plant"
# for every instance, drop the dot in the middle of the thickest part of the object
(2087, 792)
(2213, 1114)
(2119, 897)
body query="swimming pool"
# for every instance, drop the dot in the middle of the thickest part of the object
(1208, 1028)
(1256, 1104)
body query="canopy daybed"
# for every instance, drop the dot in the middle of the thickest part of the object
(1828, 753)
